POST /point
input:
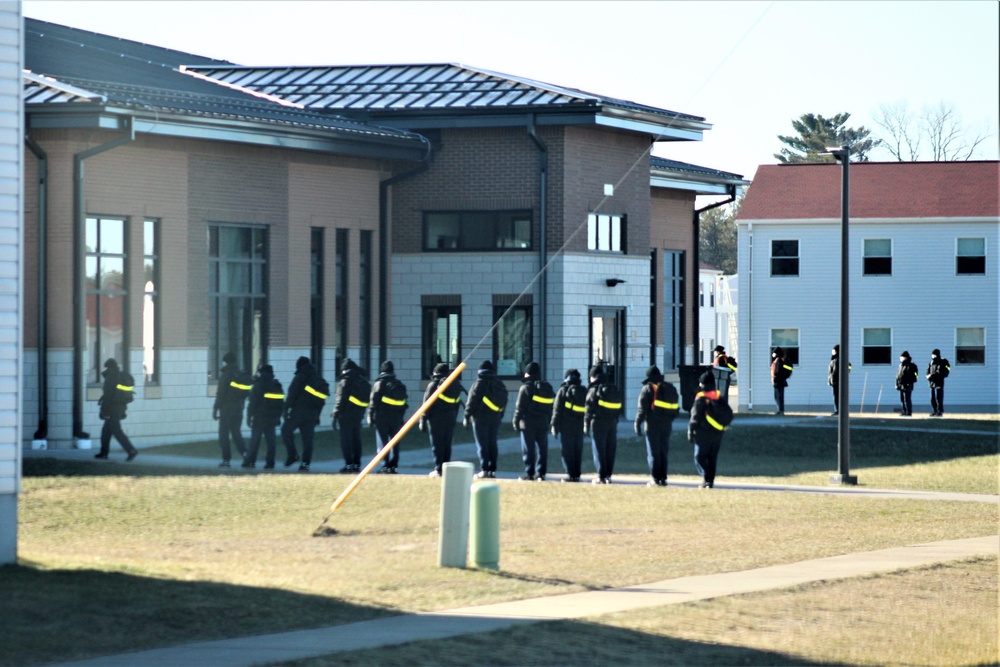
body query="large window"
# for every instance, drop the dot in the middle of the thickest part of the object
(365, 296)
(878, 257)
(106, 294)
(606, 232)
(316, 238)
(876, 346)
(674, 293)
(784, 258)
(511, 339)
(787, 340)
(340, 299)
(477, 230)
(151, 301)
(442, 343)
(237, 293)
(970, 257)
(970, 345)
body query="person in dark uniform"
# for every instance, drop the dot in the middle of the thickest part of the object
(600, 421)
(833, 377)
(723, 360)
(704, 432)
(264, 407)
(937, 370)
(440, 417)
(781, 370)
(386, 410)
(228, 409)
(658, 405)
(304, 402)
(906, 376)
(350, 403)
(484, 410)
(532, 414)
(115, 396)
(567, 422)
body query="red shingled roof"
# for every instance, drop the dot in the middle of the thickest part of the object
(877, 190)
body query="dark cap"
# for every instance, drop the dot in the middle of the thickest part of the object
(905, 354)
(347, 365)
(572, 373)
(778, 351)
(229, 358)
(719, 348)
(486, 365)
(653, 374)
(267, 369)
(386, 367)
(706, 381)
(300, 362)
(111, 363)
(532, 368)
(936, 352)
(441, 369)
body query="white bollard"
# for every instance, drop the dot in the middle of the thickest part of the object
(456, 484)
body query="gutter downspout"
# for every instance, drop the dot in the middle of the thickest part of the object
(383, 248)
(543, 282)
(695, 323)
(43, 339)
(79, 261)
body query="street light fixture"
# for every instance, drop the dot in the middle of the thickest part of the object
(843, 155)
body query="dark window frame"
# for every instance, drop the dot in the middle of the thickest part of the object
(876, 265)
(430, 315)
(876, 354)
(467, 220)
(970, 355)
(970, 265)
(783, 262)
(99, 256)
(317, 240)
(605, 243)
(791, 351)
(526, 344)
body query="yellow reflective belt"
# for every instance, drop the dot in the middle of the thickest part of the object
(665, 405)
(576, 408)
(609, 406)
(317, 394)
(491, 405)
(545, 401)
(716, 425)
(787, 368)
(241, 387)
(447, 399)
(123, 387)
(357, 401)
(279, 397)
(392, 401)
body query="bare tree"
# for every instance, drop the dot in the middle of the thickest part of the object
(938, 127)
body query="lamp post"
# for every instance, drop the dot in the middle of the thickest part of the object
(843, 155)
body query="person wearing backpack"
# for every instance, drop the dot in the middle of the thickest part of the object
(906, 376)
(658, 405)
(115, 397)
(781, 370)
(304, 401)
(386, 409)
(350, 403)
(567, 422)
(230, 395)
(937, 370)
(484, 410)
(600, 421)
(710, 415)
(439, 419)
(532, 414)
(723, 360)
(264, 407)
(833, 377)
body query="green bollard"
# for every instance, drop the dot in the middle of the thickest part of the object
(453, 544)
(484, 529)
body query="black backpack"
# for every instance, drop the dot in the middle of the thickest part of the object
(359, 391)
(240, 385)
(609, 402)
(575, 400)
(542, 398)
(665, 399)
(124, 389)
(495, 396)
(273, 404)
(315, 392)
(719, 412)
(393, 395)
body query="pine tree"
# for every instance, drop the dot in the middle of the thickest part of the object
(817, 133)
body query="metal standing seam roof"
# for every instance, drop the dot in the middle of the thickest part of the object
(693, 169)
(401, 88)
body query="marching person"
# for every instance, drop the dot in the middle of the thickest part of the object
(658, 405)
(484, 411)
(115, 397)
(228, 408)
(567, 422)
(833, 377)
(264, 407)
(350, 403)
(439, 419)
(386, 410)
(600, 422)
(781, 370)
(532, 414)
(937, 370)
(304, 403)
(906, 376)
(710, 415)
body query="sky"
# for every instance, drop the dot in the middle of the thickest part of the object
(748, 68)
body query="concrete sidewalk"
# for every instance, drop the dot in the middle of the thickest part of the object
(264, 649)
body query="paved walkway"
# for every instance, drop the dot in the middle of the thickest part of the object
(265, 649)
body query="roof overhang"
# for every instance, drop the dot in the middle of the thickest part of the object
(702, 184)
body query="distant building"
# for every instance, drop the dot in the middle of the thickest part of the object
(924, 249)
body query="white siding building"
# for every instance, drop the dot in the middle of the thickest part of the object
(923, 257)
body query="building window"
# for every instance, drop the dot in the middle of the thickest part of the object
(970, 257)
(106, 294)
(787, 340)
(150, 301)
(442, 342)
(878, 257)
(237, 292)
(340, 299)
(711, 295)
(511, 339)
(477, 230)
(365, 296)
(606, 232)
(316, 238)
(876, 346)
(784, 258)
(970, 345)
(674, 295)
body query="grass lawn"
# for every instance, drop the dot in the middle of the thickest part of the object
(117, 558)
